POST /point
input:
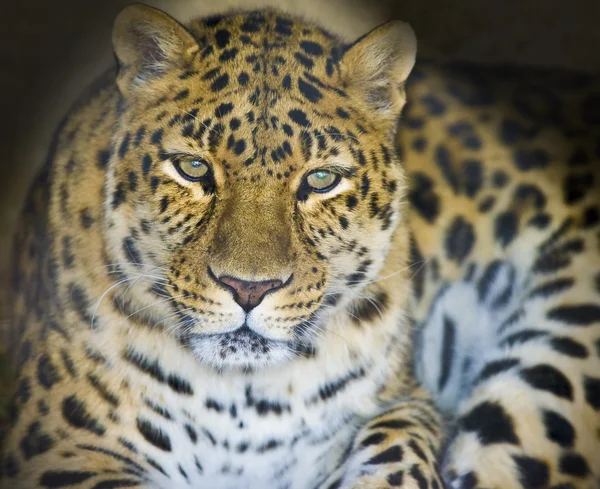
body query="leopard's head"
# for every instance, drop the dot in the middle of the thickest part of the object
(254, 174)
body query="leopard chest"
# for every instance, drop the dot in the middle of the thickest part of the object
(237, 432)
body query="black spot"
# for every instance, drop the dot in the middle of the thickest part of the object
(130, 250)
(419, 144)
(23, 393)
(222, 37)
(491, 423)
(310, 92)
(569, 347)
(533, 473)
(191, 432)
(365, 185)
(124, 146)
(444, 163)
(423, 198)
(311, 48)
(576, 315)
(548, 378)
(591, 388)
(591, 217)
(468, 481)
(243, 79)
(368, 309)
(179, 385)
(351, 202)
(513, 131)
(486, 204)
(47, 373)
(283, 26)
(484, 285)
(86, 219)
(152, 368)
(496, 367)
(395, 479)
(532, 193)
(448, 346)
(418, 476)
(35, 442)
(76, 414)
(153, 463)
(228, 55)
(119, 195)
(103, 390)
(299, 117)
(146, 164)
(540, 221)
(220, 83)
(55, 479)
(103, 158)
(331, 388)
(223, 109)
(506, 226)
(573, 464)
(239, 147)
(535, 159)
(116, 483)
(182, 95)
(215, 136)
(10, 465)
(253, 22)
(139, 135)
(473, 176)
(551, 287)
(342, 113)
(374, 439)
(499, 179)
(459, 240)
(304, 61)
(157, 136)
(394, 454)
(153, 434)
(558, 429)
(433, 104)
(576, 186)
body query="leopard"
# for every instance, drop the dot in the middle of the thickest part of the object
(260, 256)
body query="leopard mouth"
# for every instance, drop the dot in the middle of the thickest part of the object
(242, 349)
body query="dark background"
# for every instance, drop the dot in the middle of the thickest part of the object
(51, 49)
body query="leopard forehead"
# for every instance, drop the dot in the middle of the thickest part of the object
(259, 82)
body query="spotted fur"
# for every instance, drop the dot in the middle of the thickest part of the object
(145, 362)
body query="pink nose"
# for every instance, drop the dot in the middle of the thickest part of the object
(249, 294)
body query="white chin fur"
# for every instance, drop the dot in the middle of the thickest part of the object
(240, 351)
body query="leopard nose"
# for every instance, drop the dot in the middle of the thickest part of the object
(249, 294)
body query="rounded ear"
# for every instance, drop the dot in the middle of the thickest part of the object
(148, 43)
(376, 66)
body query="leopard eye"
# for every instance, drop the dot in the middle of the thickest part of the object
(322, 181)
(192, 169)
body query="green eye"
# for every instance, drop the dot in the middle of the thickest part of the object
(192, 169)
(322, 180)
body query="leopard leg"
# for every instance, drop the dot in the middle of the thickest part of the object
(531, 416)
(396, 449)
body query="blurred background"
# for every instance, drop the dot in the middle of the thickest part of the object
(51, 49)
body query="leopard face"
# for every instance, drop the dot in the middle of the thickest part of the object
(254, 174)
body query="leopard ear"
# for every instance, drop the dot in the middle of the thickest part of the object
(147, 44)
(376, 66)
